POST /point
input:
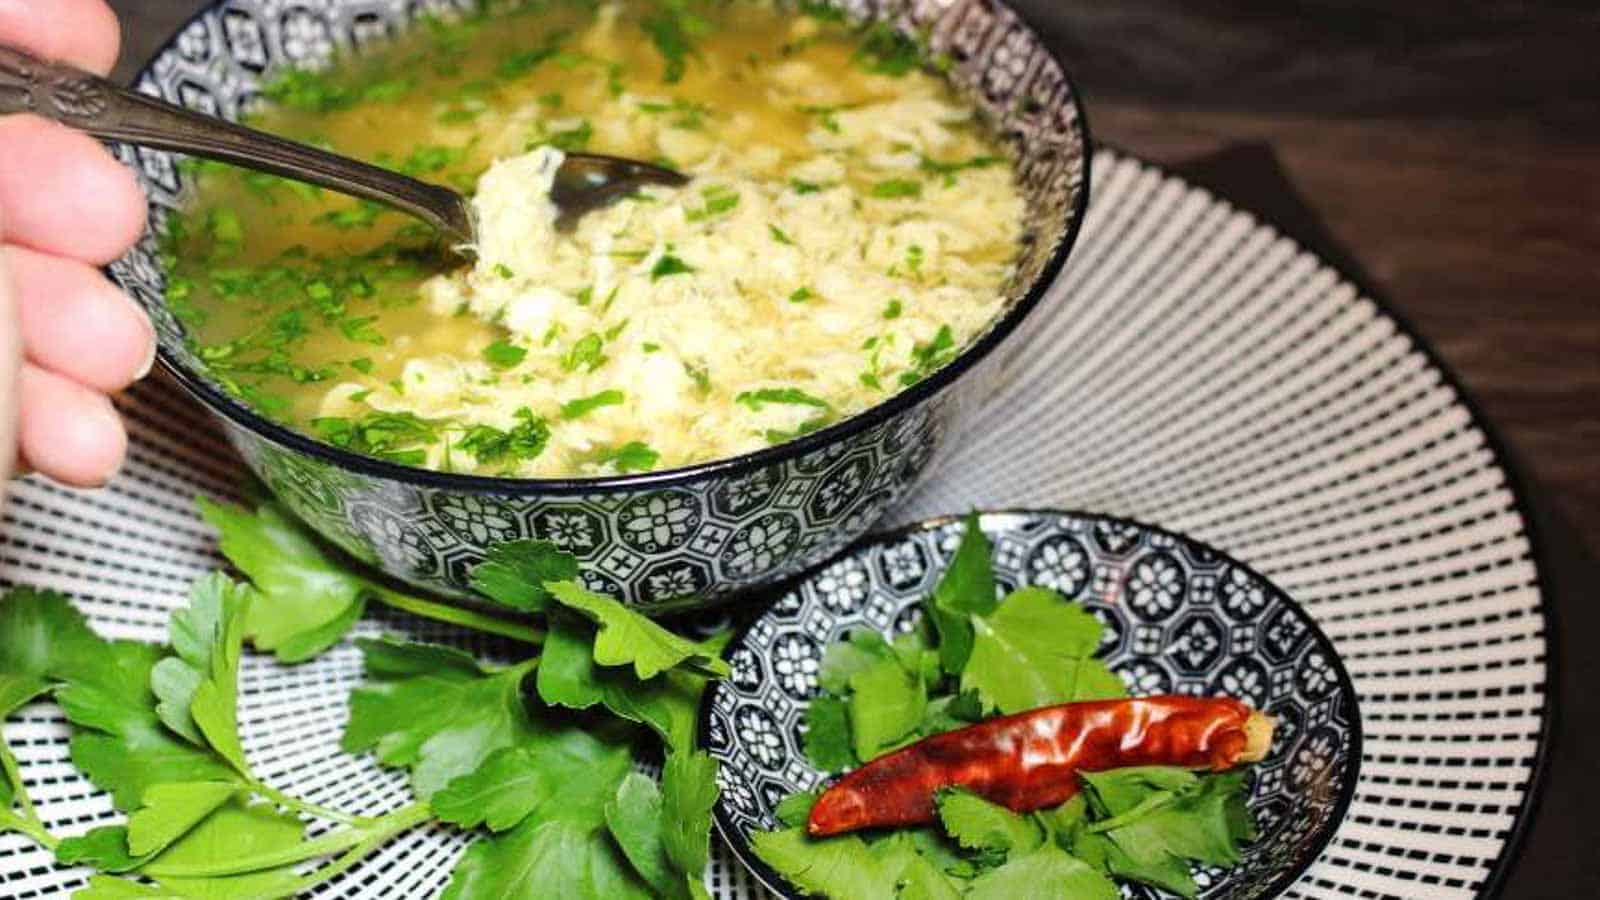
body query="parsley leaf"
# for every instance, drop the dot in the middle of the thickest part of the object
(634, 819)
(949, 170)
(719, 199)
(672, 32)
(197, 688)
(966, 588)
(569, 854)
(43, 639)
(834, 867)
(514, 573)
(689, 791)
(827, 736)
(1161, 818)
(525, 441)
(573, 139)
(307, 90)
(435, 711)
(119, 741)
(844, 659)
(531, 779)
(522, 62)
(665, 832)
(305, 599)
(169, 811)
(885, 50)
(1036, 650)
(104, 847)
(979, 825)
(1119, 791)
(930, 357)
(504, 355)
(626, 637)
(897, 188)
(669, 265)
(755, 400)
(569, 676)
(237, 830)
(394, 436)
(886, 705)
(575, 409)
(795, 809)
(1067, 876)
(634, 456)
(587, 352)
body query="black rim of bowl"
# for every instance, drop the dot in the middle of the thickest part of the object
(241, 415)
(1351, 757)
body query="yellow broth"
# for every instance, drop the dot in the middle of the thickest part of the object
(289, 291)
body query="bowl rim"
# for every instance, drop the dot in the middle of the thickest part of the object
(1351, 757)
(238, 414)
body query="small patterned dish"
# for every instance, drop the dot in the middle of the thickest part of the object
(1180, 618)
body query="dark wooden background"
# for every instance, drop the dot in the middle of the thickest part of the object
(1453, 146)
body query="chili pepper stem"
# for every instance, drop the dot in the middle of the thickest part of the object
(1258, 729)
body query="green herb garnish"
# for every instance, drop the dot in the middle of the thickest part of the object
(504, 355)
(719, 199)
(634, 456)
(669, 265)
(897, 188)
(885, 50)
(672, 31)
(395, 436)
(930, 357)
(588, 354)
(755, 400)
(574, 409)
(523, 442)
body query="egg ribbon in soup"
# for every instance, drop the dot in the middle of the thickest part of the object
(849, 226)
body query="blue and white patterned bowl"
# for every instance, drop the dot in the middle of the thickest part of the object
(661, 540)
(1181, 618)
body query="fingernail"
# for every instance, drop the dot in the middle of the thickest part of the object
(111, 418)
(149, 361)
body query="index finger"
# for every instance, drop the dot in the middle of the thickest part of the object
(81, 32)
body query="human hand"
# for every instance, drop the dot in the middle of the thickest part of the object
(68, 337)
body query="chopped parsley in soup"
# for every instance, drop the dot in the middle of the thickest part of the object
(849, 226)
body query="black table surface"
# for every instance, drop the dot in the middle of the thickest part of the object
(1454, 150)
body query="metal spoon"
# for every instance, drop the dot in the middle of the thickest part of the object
(94, 105)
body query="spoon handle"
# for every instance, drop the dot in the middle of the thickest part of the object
(96, 106)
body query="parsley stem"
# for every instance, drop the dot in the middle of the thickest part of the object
(29, 814)
(30, 826)
(311, 809)
(331, 870)
(466, 618)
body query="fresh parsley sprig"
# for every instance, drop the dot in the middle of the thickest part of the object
(488, 747)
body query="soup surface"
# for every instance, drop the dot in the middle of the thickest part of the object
(849, 227)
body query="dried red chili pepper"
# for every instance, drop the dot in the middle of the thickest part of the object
(1031, 760)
